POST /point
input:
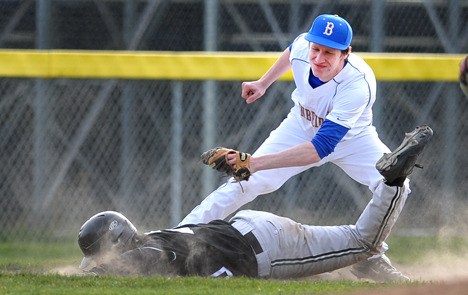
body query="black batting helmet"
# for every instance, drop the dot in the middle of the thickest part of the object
(105, 231)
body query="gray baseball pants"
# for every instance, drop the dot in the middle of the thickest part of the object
(292, 250)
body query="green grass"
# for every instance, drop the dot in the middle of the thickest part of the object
(53, 284)
(27, 268)
(38, 256)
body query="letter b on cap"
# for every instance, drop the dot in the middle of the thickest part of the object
(329, 28)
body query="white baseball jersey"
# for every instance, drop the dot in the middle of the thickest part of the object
(347, 99)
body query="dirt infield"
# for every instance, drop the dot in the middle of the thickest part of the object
(440, 274)
(436, 268)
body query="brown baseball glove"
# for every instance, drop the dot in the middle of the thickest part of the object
(216, 159)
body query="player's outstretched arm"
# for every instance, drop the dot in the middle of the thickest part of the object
(251, 91)
(299, 155)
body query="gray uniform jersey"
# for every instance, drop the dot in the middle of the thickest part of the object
(292, 250)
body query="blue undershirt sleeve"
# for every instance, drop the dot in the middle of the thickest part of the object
(327, 137)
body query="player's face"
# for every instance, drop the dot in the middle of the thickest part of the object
(325, 62)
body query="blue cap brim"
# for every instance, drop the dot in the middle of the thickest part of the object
(325, 42)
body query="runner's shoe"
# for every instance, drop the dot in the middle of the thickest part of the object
(395, 166)
(379, 270)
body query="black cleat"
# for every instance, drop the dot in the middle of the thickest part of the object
(395, 166)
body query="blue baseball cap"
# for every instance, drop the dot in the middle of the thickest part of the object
(331, 31)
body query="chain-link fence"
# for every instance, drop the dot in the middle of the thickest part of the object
(73, 147)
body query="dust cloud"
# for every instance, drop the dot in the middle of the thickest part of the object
(439, 267)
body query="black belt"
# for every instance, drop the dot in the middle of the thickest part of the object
(253, 242)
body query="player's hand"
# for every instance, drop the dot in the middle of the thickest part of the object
(251, 91)
(231, 160)
(219, 159)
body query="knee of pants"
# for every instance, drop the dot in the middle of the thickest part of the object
(253, 187)
(266, 185)
(268, 181)
(250, 188)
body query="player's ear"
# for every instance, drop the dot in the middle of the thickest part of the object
(346, 52)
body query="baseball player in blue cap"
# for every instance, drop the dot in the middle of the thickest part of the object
(331, 121)
(253, 243)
